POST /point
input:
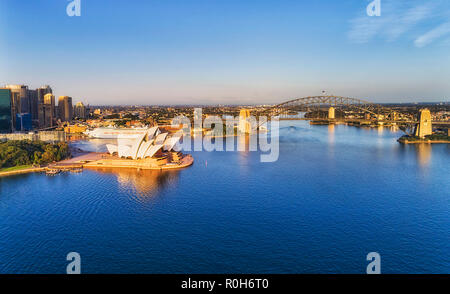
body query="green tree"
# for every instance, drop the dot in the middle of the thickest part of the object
(14, 153)
(37, 157)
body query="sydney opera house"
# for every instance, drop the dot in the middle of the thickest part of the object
(153, 149)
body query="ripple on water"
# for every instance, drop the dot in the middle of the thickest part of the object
(334, 195)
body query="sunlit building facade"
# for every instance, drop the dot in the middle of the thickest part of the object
(65, 109)
(80, 111)
(47, 111)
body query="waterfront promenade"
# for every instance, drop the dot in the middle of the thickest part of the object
(22, 171)
(110, 161)
(96, 160)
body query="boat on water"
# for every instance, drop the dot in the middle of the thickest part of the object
(52, 172)
(116, 133)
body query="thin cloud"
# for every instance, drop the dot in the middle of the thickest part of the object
(397, 18)
(365, 28)
(432, 35)
(407, 21)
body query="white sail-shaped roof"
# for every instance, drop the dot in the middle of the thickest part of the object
(152, 132)
(152, 150)
(160, 138)
(170, 143)
(144, 147)
(111, 148)
(124, 151)
(136, 145)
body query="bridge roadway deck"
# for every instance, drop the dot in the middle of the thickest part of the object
(361, 120)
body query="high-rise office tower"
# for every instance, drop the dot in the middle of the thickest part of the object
(19, 101)
(79, 111)
(47, 111)
(65, 109)
(42, 91)
(23, 122)
(33, 105)
(5, 111)
(42, 108)
(15, 98)
(49, 99)
(24, 101)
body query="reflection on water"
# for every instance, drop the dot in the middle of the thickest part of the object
(380, 130)
(423, 154)
(394, 128)
(334, 190)
(331, 142)
(243, 147)
(331, 133)
(243, 142)
(146, 183)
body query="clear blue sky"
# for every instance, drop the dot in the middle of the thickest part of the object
(227, 51)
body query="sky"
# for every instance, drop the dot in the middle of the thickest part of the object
(125, 52)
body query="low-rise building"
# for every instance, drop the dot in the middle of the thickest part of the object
(75, 129)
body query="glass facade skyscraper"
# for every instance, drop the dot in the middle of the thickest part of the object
(23, 122)
(5, 111)
(19, 101)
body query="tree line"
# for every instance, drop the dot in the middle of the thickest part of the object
(25, 152)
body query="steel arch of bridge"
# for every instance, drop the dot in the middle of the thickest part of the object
(337, 102)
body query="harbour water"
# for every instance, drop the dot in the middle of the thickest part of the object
(335, 194)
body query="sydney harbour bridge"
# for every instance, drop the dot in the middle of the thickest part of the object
(330, 108)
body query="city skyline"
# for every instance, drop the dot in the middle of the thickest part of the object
(211, 53)
(224, 145)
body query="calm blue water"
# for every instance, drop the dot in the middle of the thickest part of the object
(334, 195)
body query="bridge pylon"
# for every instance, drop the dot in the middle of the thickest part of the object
(394, 115)
(331, 113)
(245, 126)
(424, 127)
